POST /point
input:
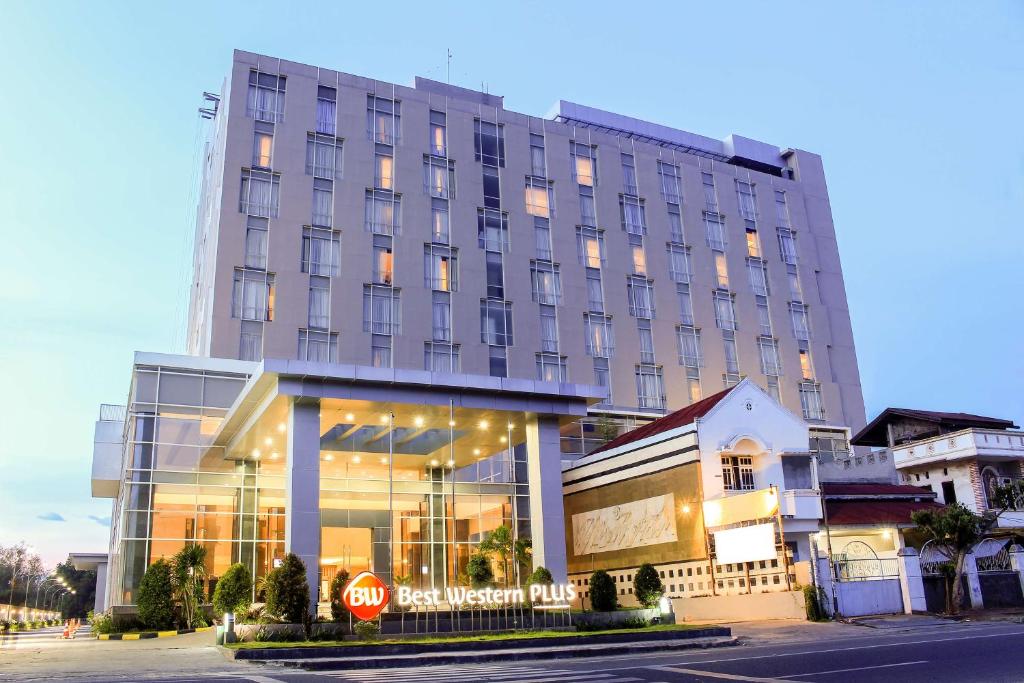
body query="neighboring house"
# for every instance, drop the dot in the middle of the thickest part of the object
(963, 458)
(681, 491)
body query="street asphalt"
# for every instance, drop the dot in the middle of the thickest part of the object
(908, 649)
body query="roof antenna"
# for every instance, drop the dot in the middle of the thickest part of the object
(449, 66)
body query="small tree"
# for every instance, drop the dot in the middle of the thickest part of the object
(339, 612)
(288, 591)
(156, 596)
(234, 590)
(647, 585)
(500, 543)
(540, 576)
(603, 597)
(479, 570)
(954, 530)
(188, 576)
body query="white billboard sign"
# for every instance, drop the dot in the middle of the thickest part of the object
(745, 544)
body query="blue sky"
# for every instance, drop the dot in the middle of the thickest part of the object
(914, 106)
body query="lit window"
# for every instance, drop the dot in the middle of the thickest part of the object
(380, 351)
(721, 270)
(438, 133)
(583, 164)
(382, 265)
(753, 246)
(639, 260)
(440, 266)
(384, 176)
(805, 364)
(590, 243)
(538, 198)
(262, 144)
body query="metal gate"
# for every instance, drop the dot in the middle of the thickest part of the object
(1000, 585)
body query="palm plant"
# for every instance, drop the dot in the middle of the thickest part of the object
(188, 577)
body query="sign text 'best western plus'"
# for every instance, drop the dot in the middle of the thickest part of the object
(366, 596)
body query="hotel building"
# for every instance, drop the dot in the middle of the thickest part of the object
(410, 307)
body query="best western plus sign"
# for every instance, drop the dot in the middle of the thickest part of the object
(365, 596)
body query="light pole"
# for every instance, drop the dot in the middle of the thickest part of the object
(39, 588)
(28, 588)
(29, 551)
(47, 595)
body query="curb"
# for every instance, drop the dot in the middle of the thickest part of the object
(146, 635)
(456, 658)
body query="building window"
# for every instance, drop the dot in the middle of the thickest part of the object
(538, 198)
(641, 297)
(650, 387)
(382, 310)
(320, 347)
(548, 329)
(787, 246)
(546, 282)
(496, 322)
(492, 230)
(497, 357)
(266, 97)
(690, 355)
(380, 351)
(725, 314)
(714, 231)
(600, 336)
(781, 211)
(595, 293)
(602, 378)
(383, 261)
(551, 367)
(584, 167)
(801, 327)
(588, 210)
(253, 295)
(732, 364)
(383, 120)
(628, 175)
(256, 243)
(383, 212)
(384, 172)
(440, 268)
(670, 183)
(319, 303)
(326, 109)
(321, 252)
(323, 202)
(643, 327)
(438, 133)
(439, 221)
(439, 177)
(259, 193)
(810, 401)
(489, 143)
(685, 304)
(538, 166)
(323, 156)
(590, 246)
(769, 349)
(721, 270)
(710, 197)
(639, 258)
(441, 316)
(806, 372)
(678, 263)
(753, 244)
(262, 145)
(542, 238)
(738, 473)
(758, 276)
(441, 357)
(764, 318)
(633, 214)
(795, 292)
(745, 196)
(492, 187)
(675, 224)
(250, 345)
(495, 275)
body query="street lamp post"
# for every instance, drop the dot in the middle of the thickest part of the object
(28, 589)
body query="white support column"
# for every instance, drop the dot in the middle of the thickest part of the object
(911, 581)
(1017, 563)
(973, 584)
(547, 519)
(302, 491)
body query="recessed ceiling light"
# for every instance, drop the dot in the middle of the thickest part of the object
(383, 461)
(349, 416)
(328, 457)
(418, 421)
(268, 441)
(504, 439)
(255, 452)
(434, 462)
(451, 423)
(275, 455)
(510, 425)
(282, 427)
(384, 418)
(476, 451)
(451, 463)
(356, 459)
(483, 424)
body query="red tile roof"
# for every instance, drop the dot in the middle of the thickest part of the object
(679, 418)
(835, 488)
(843, 512)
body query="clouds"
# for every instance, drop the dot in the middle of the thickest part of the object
(102, 521)
(51, 517)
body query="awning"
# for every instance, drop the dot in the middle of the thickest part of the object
(868, 512)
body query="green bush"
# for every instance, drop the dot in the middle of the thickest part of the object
(635, 622)
(479, 570)
(156, 596)
(339, 612)
(234, 590)
(540, 576)
(101, 623)
(367, 630)
(647, 585)
(603, 597)
(812, 605)
(288, 591)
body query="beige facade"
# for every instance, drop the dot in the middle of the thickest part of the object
(787, 193)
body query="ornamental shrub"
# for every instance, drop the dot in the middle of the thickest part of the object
(479, 570)
(288, 591)
(338, 610)
(367, 630)
(647, 585)
(540, 576)
(234, 591)
(156, 596)
(603, 597)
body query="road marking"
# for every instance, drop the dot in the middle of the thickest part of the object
(858, 668)
(714, 674)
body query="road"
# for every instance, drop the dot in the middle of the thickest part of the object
(931, 651)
